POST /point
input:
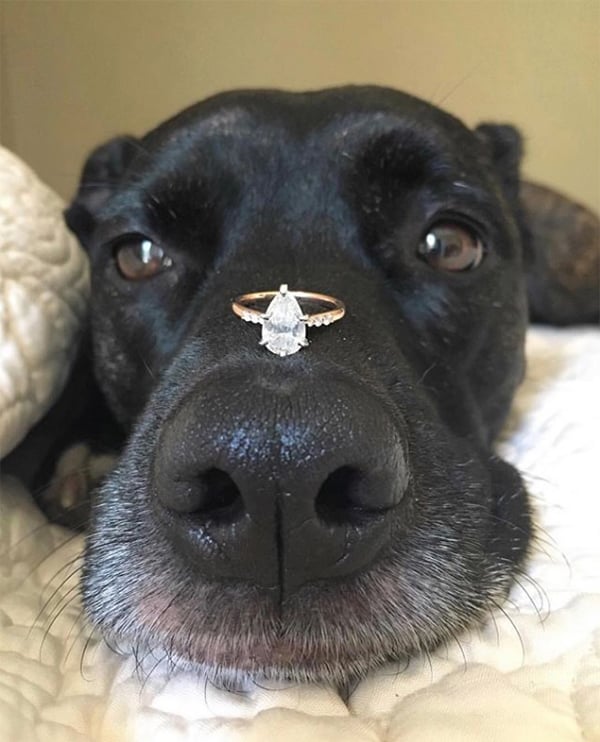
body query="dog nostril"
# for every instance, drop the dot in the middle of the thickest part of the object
(210, 494)
(339, 498)
(221, 493)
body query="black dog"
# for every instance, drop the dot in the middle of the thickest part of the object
(315, 515)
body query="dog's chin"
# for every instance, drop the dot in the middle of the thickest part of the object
(235, 635)
(238, 663)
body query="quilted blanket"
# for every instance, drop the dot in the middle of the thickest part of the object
(44, 284)
(531, 673)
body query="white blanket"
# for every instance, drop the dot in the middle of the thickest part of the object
(44, 285)
(533, 673)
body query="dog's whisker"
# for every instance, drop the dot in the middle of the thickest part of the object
(465, 78)
(65, 599)
(545, 606)
(80, 621)
(84, 652)
(492, 618)
(532, 602)
(72, 573)
(52, 553)
(47, 602)
(68, 599)
(531, 478)
(148, 675)
(499, 607)
(30, 534)
(136, 650)
(144, 670)
(205, 691)
(399, 670)
(155, 623)
(272, 689)
(548, 538)
(46, 525)
(461, 649)
(425, 655)
(539, 536)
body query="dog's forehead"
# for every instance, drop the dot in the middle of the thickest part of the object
(306, 110)
(302, 144)
(294, 154)
(349, 117)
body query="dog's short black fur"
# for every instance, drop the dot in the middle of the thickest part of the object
(315, 515)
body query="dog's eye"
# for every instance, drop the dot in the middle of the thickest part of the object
(451, 247)
(139, 258)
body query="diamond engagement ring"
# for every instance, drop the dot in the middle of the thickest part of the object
(284, 322)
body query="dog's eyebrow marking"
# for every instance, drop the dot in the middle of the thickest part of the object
(471, 190)
(479, 196)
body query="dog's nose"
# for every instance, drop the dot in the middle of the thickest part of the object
(279, 483)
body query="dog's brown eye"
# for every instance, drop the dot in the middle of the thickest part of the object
(451, 247)
(139, 258)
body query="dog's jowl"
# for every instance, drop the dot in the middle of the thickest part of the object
(310, 513)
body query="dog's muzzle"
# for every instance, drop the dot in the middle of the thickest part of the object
(284, 322)
(253, 487)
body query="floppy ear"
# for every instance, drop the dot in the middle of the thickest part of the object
(504, 146)
(562, 241)
(561, 238)
(101, 175)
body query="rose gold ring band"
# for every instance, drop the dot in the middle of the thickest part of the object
(326, 317)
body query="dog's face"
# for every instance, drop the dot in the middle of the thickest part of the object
(314, 515)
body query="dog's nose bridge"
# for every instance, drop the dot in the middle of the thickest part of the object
(367, 330)
(293, 220)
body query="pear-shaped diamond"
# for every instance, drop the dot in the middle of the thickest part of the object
(284, 329)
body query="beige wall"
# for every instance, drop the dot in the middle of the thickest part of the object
(75, 73)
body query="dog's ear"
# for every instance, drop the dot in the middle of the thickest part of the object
(561, 238)
(101, 175)
(504, 146)
(562, 253)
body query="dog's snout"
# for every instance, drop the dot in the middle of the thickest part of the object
(279, 484)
